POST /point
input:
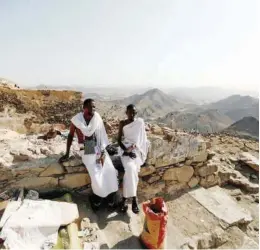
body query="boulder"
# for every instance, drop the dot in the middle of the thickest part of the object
(156, 130)
(38, 183)
(208, 169)
(75, 180)
(201, 157)
(75, 162)
(181, 174)
(146, 171)
(20, 157)
(182, 146)
(53, 169)
(5, 175)
(78, 169)
(209, 240)
(209, 181)
(167, 160)
(146, 191)
(250, 160)
(244, 183)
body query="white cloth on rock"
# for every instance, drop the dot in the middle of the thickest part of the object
(103, 178)
(30, 224)
(134, 134)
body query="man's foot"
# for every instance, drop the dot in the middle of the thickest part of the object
(112, 207)
(135, 207)
(123, 206)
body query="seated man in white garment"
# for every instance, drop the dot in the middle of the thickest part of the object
(93, 140)
(134, 148)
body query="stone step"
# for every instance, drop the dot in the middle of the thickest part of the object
(222, 206)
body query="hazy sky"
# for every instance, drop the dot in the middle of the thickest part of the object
(131, 42)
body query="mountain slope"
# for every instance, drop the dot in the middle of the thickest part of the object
(247, 126)
(207, 94)
(208, 121)
(236, 107)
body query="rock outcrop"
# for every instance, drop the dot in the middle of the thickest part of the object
(30, 109)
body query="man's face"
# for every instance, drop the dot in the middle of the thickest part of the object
(131, 113)
(91, 108)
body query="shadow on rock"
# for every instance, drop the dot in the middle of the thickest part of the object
(130, 243)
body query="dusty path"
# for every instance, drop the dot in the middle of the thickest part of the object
(189, 222)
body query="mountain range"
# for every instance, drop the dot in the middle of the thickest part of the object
(194, 95)
(158, 107)
(172, 109)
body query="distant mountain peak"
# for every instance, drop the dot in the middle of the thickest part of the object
(247, 126)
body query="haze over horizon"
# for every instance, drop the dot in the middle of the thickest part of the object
(150, 43)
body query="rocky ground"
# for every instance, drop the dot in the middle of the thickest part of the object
(223, 216)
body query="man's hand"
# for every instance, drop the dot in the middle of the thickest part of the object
(64, 158)
(132, 155)
(101, 160)
(130, 149)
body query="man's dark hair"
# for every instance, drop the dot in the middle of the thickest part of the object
(87, 102)
(130, 106)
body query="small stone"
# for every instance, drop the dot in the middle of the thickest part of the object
(188, 162)
(153, 179)
(208, 145)
(256, 228)
(220, 237)
(66, 164)
(146, 171)
(205, 241)
(236, 192)
(253, 176)
(211, 154)
(238, 198)
(256, 200)
(232, 159)
(75, 162)
(194, 181)
(45, 151)
(18, 158)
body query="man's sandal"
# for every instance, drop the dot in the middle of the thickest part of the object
(95, 206)
(135, 207)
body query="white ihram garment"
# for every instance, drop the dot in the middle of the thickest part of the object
(134, 134)
(103, 179)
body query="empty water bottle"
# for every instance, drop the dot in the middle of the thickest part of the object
(32, 195)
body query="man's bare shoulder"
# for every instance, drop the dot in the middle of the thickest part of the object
(122, 123)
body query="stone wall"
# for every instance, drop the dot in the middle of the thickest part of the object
(173, 165)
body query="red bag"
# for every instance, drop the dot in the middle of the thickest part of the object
(156, 216)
